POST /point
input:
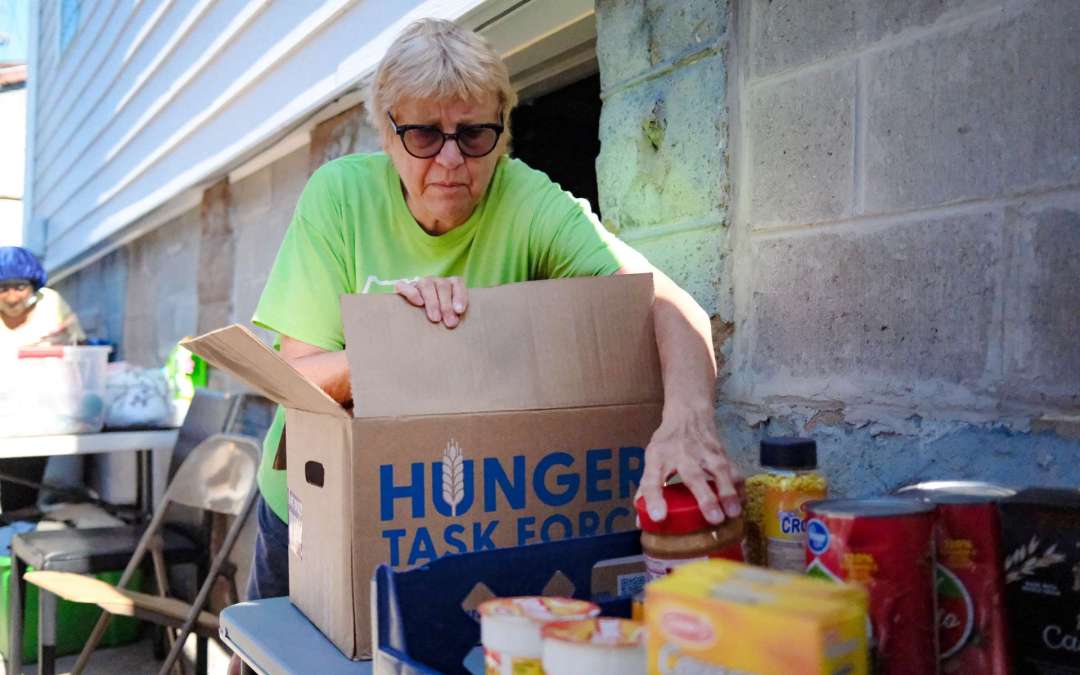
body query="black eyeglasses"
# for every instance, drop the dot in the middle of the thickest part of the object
(14, 286)
(424, 141)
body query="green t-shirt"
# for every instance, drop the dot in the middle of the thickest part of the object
(353, 233)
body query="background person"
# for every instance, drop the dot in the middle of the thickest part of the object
(32, 315)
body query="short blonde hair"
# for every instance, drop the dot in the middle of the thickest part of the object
(438, 60)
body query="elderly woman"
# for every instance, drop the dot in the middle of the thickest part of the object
(442, 210)
(32, 315)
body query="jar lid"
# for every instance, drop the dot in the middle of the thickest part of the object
(789, 452)
(956, 492)
(683, 514)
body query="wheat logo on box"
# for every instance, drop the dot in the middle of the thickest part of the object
(453, 476)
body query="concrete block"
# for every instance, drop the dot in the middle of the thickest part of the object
(257, 240)
(215, 210)
(289, 174)
(663, 149)
(114, 280)
(212, 316)
(246, 294)
(216, 269)
(140, 343)
(860, 463)
(890, 308)
(633, 37)
(785, 35)
(162, 274)
(1042, 306)
(788, 34)
(251, 197)
(343, 134)
(693, 260)
(974, 113)
(877, 20)
(800, 148)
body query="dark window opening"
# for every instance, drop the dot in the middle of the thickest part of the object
(559, 133)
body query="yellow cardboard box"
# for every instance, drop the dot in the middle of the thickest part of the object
(725, 619)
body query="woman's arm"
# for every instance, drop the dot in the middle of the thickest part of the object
(687, 441)
(328, 370)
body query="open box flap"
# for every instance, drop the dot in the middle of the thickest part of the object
(529, 346)
(239, 351)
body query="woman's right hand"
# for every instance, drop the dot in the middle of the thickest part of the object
(444, 299)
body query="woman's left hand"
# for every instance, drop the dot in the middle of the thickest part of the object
(687, 443)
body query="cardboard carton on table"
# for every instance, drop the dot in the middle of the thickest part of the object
(525, 423)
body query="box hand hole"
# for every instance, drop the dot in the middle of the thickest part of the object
(314, 473)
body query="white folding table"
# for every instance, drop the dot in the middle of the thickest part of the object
(143, 443)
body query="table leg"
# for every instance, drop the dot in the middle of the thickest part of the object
(46, 632)
(16, 613)
(145, 470)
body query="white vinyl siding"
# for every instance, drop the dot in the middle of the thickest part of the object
(154, 99)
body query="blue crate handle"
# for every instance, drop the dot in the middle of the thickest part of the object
(422, 627)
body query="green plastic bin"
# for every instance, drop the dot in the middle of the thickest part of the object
(74, 622)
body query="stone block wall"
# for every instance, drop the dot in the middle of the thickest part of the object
(878, 203)
(662, 170)
(905, 234)
(161, 304)
(96, 294)
(262, 206)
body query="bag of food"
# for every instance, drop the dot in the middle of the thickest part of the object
(136, 397)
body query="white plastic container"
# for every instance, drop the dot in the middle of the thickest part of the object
(602, 646)
(510, 630)
(53, 390)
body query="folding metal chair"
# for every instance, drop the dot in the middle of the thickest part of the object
(102, 549)
(219, 477)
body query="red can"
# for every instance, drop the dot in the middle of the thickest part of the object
(970, 583)
(887, 545)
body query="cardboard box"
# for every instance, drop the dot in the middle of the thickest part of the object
(526, 423)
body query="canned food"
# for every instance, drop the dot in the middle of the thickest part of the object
(970, 583)
(510, 630)
(886, 544)
(1041, 543)
(599, 646)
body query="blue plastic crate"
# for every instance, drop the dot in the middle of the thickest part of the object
(421, 625)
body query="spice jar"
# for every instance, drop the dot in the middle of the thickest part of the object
(685, 536)
(776, 523)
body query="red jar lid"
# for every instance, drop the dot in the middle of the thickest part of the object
(683, 514)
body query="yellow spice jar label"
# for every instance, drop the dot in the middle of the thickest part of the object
(784, 522)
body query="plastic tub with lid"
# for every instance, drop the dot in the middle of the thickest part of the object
(54, 390)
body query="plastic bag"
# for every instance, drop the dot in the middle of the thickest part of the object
(136, 397)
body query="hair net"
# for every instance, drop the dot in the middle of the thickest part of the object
(18, 263)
